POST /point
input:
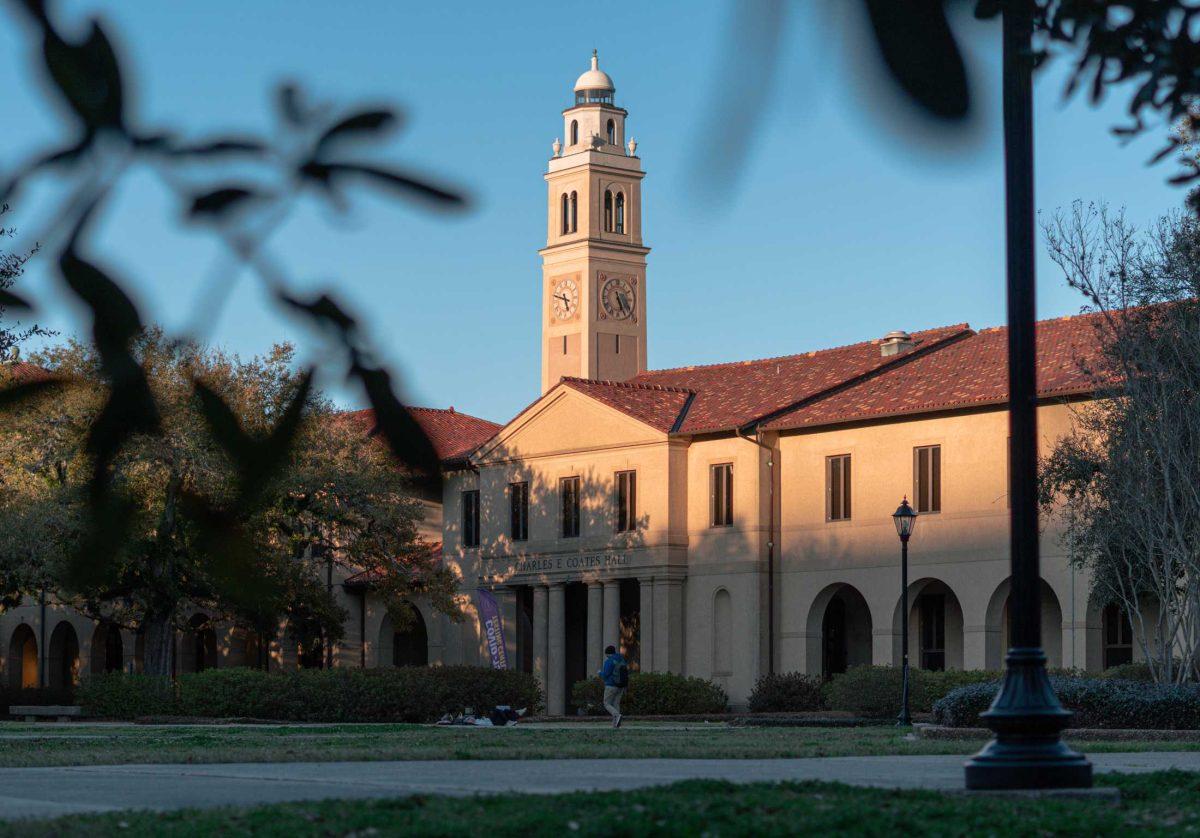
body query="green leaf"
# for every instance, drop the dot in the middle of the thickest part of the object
(222, 201)
(410, 186)
(360, 125)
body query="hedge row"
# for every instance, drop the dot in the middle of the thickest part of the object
(862, 690)
(1096, 702)
(411, 694)
(655, 694)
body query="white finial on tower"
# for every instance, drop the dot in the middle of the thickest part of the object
(632, 146)
(557, 147)
(595, 59)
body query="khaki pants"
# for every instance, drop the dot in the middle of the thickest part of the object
(612, 699)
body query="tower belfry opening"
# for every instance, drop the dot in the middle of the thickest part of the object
(594, 261)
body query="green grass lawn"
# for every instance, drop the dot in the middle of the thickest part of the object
(84, 744)
(1167, 803)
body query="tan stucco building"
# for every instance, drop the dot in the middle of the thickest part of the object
(729, 520)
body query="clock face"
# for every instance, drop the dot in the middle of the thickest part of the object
(618, 298)
(564, 299)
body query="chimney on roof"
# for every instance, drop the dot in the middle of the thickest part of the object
(895, 343)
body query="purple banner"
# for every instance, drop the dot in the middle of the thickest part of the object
(493, 628)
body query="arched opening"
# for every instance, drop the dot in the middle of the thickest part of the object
(612, 132)
(935, 627)
(409, 647)
(722, 639)
(245, 648)
(566, 214)
(574, 212)
(998, 641)
(199, 648)
(574, 132)
(608, 211)
(1117, 631)
(108, 650)
(62, 665)
(22, 659)
(839, 631)
(619, 222)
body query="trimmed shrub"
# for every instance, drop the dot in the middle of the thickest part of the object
(786, 692)
(115, 695)
(1096, 703)
(877, 690)
(411, 694)
(1129, 672)
(655, 694)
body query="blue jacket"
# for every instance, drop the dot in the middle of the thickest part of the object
(608, 672)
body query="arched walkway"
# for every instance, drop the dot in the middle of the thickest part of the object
(198, 650)
(998, 641)
(108, 650)
(62, 664)
(404, 648)
(22, 659)
(934, 625)
(839, 630)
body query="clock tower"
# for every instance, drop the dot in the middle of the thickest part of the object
(594, 262)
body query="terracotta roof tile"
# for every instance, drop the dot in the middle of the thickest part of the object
(658, 406)
(731, 395)
(452, 434)
(968, 372)
(19, 372)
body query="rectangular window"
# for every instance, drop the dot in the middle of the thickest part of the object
(927, 478)
(518, 511)
(626, 500)
(470, 518)
(568, 493)
(837, 488)
(722, 495)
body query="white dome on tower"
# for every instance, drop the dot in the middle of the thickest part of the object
(595, 78)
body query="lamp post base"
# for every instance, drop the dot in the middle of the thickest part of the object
(1028, 751)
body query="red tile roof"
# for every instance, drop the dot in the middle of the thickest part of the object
(729, 396)
(659, 407)
(966, 373)
(20, 372)
(453, 434)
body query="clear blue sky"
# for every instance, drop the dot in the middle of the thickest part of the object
(840, 228)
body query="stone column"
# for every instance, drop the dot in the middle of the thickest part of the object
(539, 634)
(646, 620)
(556, 668)
(612, 615)
(595, 628)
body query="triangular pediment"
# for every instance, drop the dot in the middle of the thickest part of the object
(565, 420)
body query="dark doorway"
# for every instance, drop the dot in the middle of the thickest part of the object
(833, 632)
(411, 646)
(525, 628)
(576, 639)
(631, 622)
(931, 610)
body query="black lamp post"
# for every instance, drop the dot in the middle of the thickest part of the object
(1026, 717)
(906, 520)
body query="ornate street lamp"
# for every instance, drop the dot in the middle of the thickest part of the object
(906, 521)
(1028, 751)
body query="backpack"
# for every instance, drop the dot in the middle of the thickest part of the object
(622, 675)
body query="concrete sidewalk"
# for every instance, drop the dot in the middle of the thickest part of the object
(46, 792)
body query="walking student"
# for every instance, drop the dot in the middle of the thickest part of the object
(615, 675)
